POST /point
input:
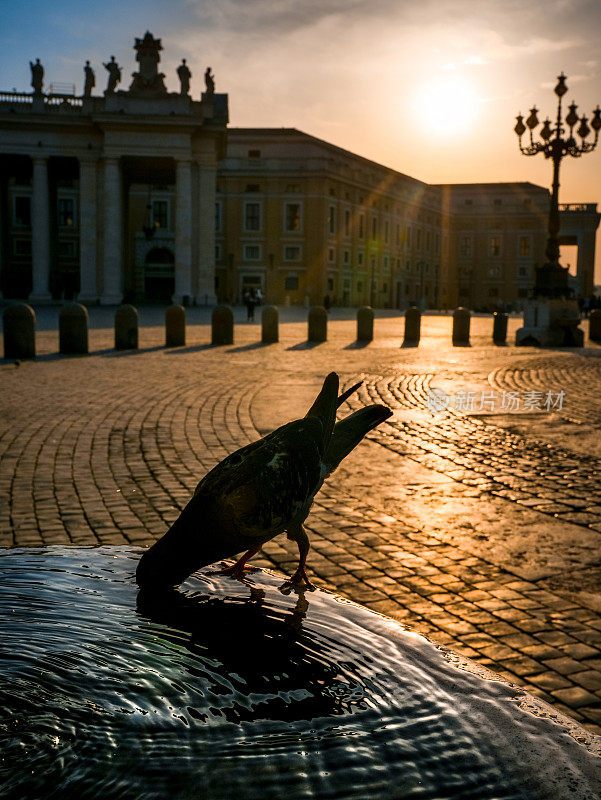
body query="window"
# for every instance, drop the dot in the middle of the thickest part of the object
(524, 246)
(22, 247)
(346, 259)
(22, 209)
(409, 237)
(522, 292)
(386, 262)
(374, 227)
(252, 216)
(522, 272)
(465, 246)
(292, 253)
(494, 246)
(427, 240)
(330, 284)
(498, 202)
(359, 286)
(493, 292)
(218, 216)
(66, 249)
(359, 259)
(386, 231)
(217, 252)
(437, 243)
(254, 154)
(469, 202)
(332, 220)
(252, 252)
(347, 223)
(292, 216)
(291, 283)
(66, 210)
(331, 256)
(418, 239)
(293, 188)
(361, 226)
(494, 272)
(160, 214)
(398, 234)
(253, 187)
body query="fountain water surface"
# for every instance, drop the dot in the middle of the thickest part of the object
(228, 689)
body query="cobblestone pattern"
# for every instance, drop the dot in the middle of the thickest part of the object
(89, 462)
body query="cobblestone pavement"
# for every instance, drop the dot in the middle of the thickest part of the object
(478, 528)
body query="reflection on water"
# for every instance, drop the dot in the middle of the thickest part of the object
(231, 690)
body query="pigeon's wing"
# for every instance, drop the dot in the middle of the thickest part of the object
(272, 484)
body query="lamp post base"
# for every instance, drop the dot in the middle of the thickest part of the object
(551, 322)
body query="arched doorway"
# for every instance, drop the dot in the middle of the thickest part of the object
(159, 275)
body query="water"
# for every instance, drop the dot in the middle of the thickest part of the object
(231, 690)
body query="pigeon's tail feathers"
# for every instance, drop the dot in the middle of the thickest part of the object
(349, 431)
(345, 395)
(325, 405)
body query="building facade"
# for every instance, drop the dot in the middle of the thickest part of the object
(146, 196)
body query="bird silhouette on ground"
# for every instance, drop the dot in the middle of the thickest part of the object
(260, 491)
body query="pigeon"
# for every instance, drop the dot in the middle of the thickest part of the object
(260, 491)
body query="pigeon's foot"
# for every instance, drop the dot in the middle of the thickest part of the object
(299, 579)
(237, 570)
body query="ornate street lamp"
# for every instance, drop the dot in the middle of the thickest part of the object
(555, 143)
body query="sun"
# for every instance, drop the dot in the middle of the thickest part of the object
(446, 106)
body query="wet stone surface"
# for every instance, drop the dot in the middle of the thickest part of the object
(478, 527)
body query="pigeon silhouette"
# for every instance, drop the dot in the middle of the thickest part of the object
(260, 491)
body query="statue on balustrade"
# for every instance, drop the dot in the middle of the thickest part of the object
(148, 81)
(114, 71)
(184, 75)
(37, 76)
(209, 81)
(90, 80)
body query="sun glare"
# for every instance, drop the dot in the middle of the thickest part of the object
(449, 105)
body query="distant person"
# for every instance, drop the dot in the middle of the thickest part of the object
(250, 300)
(326, 302)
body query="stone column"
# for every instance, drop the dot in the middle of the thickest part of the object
(207, 177)
(112, 262)
(183, 233)
(88, 290)
(40, 241)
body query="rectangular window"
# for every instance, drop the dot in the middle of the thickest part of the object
(418, 241)
(346, 260)
(292, 253)
(494, 272)
(218, 216)
(374, 227)
(398, 234)
(409, 237)
(427, 240)
(292, 217)
(217, 252)
(66, 211)
(331, 255)
(252, 216)
(330, 284)
(291, 283)
(386, 231)
(22, 247)
(437, 243)
(524, 245)
(293, 188)
(22, 207)
(359, 286)
(522, 272)
(160, 213)
(386, 262)
(66, 249)
(253, 187)
(252, 252)
(494, 245)
(347, 223)
(359, 259)
(361, 226)
(332, 220)
(465, 246)
(254, 154)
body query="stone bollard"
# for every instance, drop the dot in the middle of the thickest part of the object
(175, 326)
(222, 325)
(73, 329)
(594, 325)
(461, 327)
(269, 325)
(318, 324)
(413, 327)
(499, 327)
(18, 323)
(365, 324)
(126, 328)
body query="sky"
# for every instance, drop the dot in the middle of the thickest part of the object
(428, 87)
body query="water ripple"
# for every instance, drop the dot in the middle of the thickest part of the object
(229, 689)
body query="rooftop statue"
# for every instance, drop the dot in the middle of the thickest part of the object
(184, 75)
(90, 80)
(114, 71)
(37, 76)
(209, 81)
(260, 491)
(148, 80)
